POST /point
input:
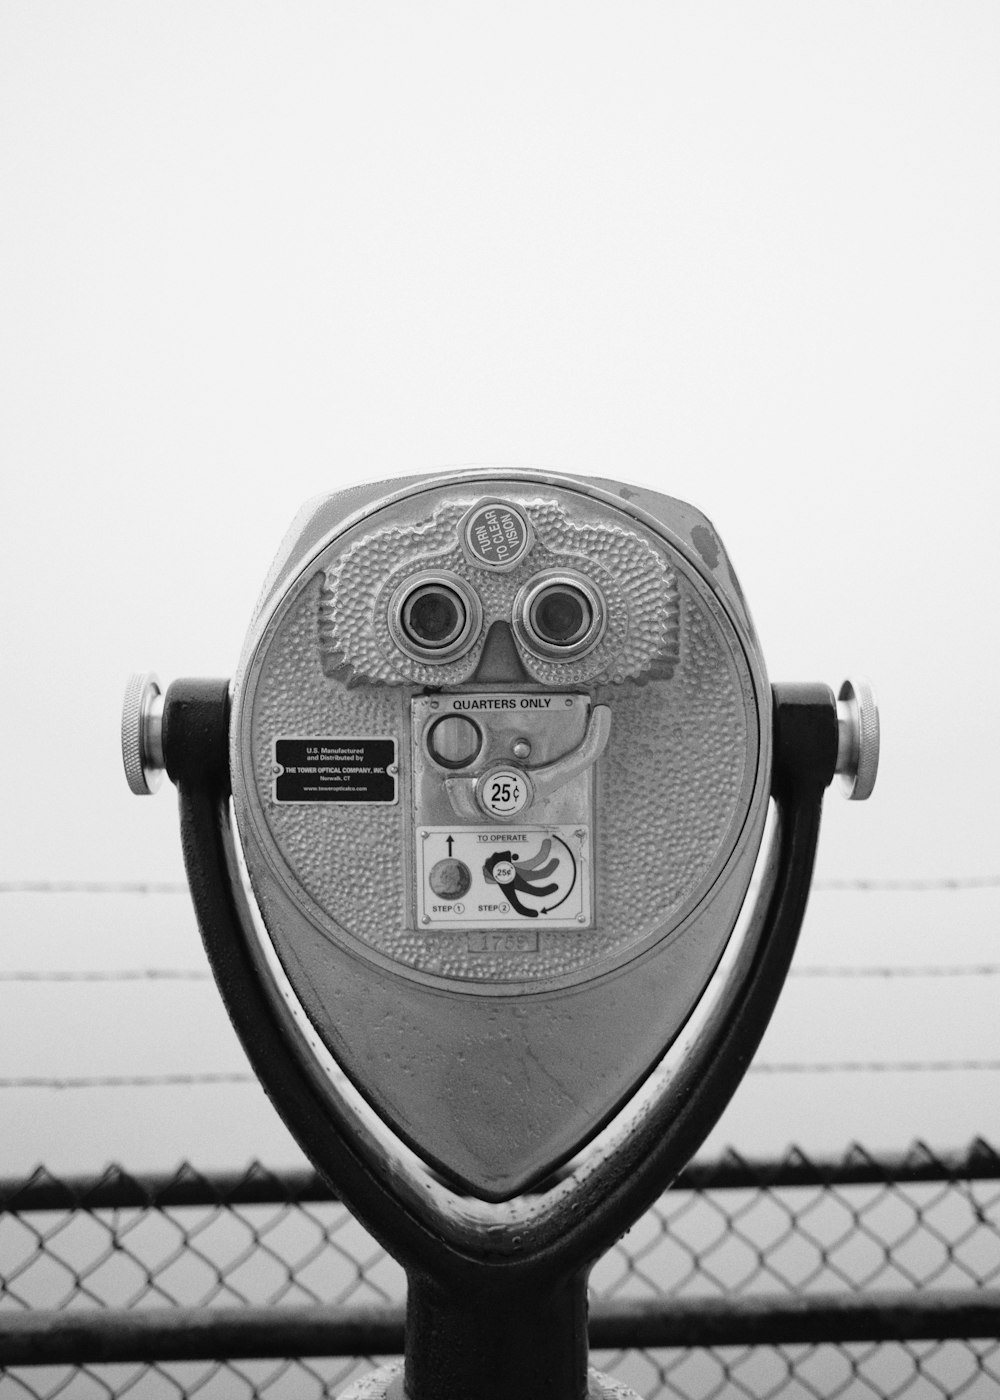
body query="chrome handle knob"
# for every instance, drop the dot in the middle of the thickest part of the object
(142, 733)
(858, 739)
(549, 777)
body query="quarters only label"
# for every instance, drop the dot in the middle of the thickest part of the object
(335, 770)
(532, 877)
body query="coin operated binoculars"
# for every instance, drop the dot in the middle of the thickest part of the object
(470, 837)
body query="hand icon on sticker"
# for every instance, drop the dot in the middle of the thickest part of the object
(525, 877)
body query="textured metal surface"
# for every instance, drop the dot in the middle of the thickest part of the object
(641, 635)
(671, 789)
(345, 857)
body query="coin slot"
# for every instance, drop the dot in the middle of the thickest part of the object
(454, 741)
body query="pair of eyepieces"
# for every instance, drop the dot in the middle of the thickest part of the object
(556, 616)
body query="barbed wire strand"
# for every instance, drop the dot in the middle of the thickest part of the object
(874, 1067)
(158, 1081)
(143, 974)
(942, 882)
(93, 887)
(146, 887)
(169, 974)
(124, 1081)
(931, 971)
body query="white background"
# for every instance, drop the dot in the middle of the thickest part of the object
(743, 253)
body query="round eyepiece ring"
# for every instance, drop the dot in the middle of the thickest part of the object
(560, 616)
(435, 617)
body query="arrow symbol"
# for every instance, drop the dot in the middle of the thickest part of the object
(451, 842)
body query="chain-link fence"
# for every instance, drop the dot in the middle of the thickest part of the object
(858, 1277)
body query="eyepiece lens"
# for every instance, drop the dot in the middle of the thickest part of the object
(433, 616)
(561, 615)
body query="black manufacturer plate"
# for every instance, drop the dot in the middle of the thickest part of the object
(335, 770)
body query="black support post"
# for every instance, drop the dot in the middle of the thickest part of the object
(478, 1326)
(491, 1340)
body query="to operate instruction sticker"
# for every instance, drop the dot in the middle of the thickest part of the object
(338, 769)
(532, 876)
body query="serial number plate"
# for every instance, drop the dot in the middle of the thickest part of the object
(502, 941)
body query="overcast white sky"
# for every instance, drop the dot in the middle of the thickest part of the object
(744, 253)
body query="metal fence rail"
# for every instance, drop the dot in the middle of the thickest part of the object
(860, 1276)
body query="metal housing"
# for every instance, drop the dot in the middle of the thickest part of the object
(484, 1069)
